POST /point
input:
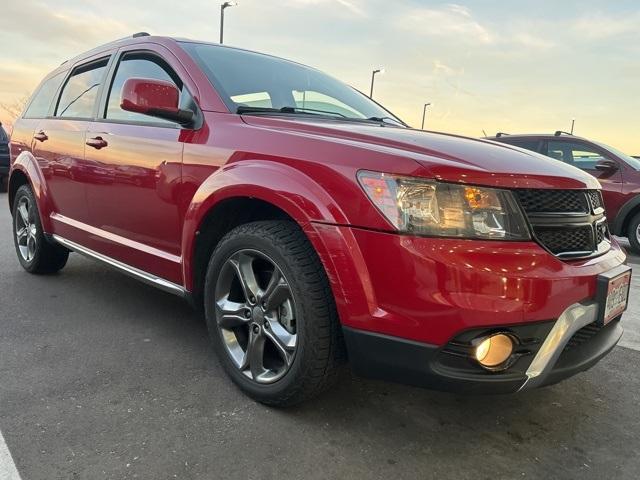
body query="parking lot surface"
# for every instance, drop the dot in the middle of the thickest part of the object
(104, 377)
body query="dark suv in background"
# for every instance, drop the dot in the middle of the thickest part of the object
(4, 159)
(618, 173)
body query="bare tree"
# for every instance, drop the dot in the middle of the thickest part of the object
(15, 108)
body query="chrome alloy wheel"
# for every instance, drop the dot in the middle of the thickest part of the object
(638, 233)
(26, 229)
(255, 315)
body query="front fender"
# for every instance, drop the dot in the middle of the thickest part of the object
(27, 164)
(623, 215)
(295, 193)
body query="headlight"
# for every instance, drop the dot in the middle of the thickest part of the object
(426, 207)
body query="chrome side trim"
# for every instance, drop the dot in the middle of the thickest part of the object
(147, 278)
(574, 318)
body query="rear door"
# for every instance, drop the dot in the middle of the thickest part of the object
(137, 160)
(59, 143)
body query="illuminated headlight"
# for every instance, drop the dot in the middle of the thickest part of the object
(427, 207)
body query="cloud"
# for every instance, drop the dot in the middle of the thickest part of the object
(599, 26)
(451, 20)
(350, 5)
(38, 21)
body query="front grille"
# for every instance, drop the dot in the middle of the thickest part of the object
(595, 197)
(568, 223)
(4, 149)
(552, 201)
(561, 240)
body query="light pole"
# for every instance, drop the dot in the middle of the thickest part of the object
(424, 113)
(373, 79)
(222, 8)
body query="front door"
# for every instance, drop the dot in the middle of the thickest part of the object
(132, 194)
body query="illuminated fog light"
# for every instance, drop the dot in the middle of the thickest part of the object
(494, 351)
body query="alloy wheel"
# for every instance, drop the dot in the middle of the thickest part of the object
(26, 230)
(256, 317)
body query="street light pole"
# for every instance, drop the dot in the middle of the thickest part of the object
(222, 8)
(373, 79)
(424, 113)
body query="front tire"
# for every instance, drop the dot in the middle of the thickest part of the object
(35, 253)
(633, 234)
(271, 314)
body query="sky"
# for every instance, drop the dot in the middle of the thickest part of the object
(519, 66)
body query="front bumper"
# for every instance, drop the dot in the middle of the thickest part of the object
(403, 300)
(563, 353)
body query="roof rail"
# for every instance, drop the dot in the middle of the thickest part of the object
(561, 132)
(501, 134)
(140, 34)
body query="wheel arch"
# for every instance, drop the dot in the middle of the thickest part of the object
(26, 171)
(239, 194)
(627, 212)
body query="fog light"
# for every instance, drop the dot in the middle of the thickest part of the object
(493, 351)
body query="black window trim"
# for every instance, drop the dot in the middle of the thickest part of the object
(80, 68)
(101, 114)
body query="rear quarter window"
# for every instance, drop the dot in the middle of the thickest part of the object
(533, 145)
(43, 98)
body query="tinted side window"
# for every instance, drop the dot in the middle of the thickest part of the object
(43, 98)
(574, 153)
(533, 145)
(80, 93)
(139, 66)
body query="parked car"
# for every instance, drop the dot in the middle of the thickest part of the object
(4, 158)
(618, 173)
(310, 222)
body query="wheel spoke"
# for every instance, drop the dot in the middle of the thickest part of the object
(254, 356)
(231, 314)
(243, 265)
(285, 351)
(31, 247)
(22, 233)
(24, 213)
(277, 291)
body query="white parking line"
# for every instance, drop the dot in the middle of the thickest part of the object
(8, 470)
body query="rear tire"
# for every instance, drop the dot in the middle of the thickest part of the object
(305, 358)
(633, 234)
(35, 253)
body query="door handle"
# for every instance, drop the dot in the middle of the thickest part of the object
(97, 143)
(41, 136)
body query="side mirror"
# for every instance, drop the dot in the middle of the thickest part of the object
(606, 166)
(155, 98)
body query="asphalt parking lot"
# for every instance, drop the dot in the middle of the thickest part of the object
(104, 377)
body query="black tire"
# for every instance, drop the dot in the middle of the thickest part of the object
(633, 233)
(319, 351)
(45, 257)
(4, 184)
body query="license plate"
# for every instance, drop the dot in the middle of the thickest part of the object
(613, 293)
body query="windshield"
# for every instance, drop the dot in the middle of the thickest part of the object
(633, 162)
(255, 83)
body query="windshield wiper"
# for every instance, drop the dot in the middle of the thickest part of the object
(384, 120)
(311, 111)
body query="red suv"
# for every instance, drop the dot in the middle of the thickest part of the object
(618, 173)
(312, 224)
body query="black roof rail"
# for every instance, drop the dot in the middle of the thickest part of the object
(501, 134)
(561, 132)
(140, 34)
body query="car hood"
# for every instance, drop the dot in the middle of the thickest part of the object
(443, 156)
